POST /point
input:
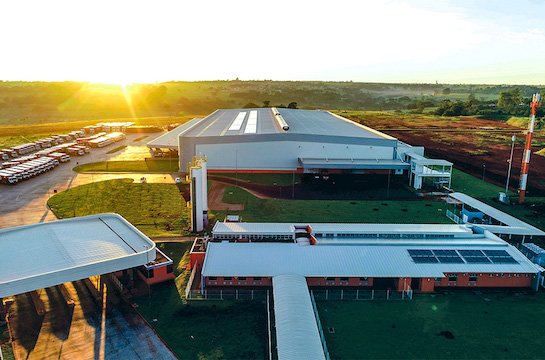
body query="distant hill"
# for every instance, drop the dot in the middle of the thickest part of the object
(35, 102)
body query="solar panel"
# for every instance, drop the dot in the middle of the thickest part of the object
(450, 259)
(496, 253)
(445, 253)
(503, 260)
(466, 253)
(418, 252)
(477, 260)
(425, 260)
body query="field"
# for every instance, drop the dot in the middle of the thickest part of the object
(458, 325)
(155, 209)
(144, 166)
(388, 211)
(203, 330)
(474, 145)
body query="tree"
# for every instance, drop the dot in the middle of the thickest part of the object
(292, 105)
(250, 106)
(266, 103)
(509, 100)
(446, 91)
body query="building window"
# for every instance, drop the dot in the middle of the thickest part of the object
(242, 278)
(473, 277)
(364, 279)
(170, 268)
(453, 277)
(438, 279)
(212, 278)
(257, 278)
(227, 278)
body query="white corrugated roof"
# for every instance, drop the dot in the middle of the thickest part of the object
(170, 139)
(445, 229)
(271, 259)
(519, 226)
(48, 254)
(297, 335)
(253, 228)
(288, 228)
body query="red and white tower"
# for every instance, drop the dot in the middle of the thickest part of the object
(534, 105)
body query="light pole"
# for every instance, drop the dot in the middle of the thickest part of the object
(484, 169)
(513, 138)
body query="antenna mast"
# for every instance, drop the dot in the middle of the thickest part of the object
(534, 105)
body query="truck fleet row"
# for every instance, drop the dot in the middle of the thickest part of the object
(24, 161)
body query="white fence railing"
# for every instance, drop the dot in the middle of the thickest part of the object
(452, 216)
(349, 294)
(319, 323)
(319, 294)
(190, 282)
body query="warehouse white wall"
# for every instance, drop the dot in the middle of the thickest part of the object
(283, 155)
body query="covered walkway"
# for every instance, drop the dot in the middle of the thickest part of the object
(297, 334)
(499, 222)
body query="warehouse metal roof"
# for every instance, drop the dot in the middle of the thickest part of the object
(47, 254)
(253, 228)
(289, 228)
(170, 139)
(272, 259)
(297, 335)
(442, 229)
(514, 225)
(323, 163)
(228, 122)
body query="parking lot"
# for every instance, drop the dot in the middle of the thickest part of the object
(25, 203)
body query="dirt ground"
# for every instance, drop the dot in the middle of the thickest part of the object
(473, 145)
(84, 331)
(215, 198)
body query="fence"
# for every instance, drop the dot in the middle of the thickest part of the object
(452, 216)
(319, 294)
(226, 294)
(357, 295)
(320, 329)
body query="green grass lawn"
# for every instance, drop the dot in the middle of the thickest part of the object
(149, 165)
(119, 148)
(266, 179)
(203, 329)
(474, 186)
(390, 211)
(487, 326)
(155, 209)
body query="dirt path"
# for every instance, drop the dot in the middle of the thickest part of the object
(215, 198)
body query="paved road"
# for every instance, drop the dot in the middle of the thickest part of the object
(84, 331)
(25, 203)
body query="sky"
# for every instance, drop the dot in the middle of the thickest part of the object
(449, 41)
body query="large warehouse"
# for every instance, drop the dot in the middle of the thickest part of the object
(302, 141)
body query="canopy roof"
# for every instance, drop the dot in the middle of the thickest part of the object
(47, 254)
(513, 226)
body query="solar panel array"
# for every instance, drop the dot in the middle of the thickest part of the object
(425, 256)
(237, 123)
(251, 124)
